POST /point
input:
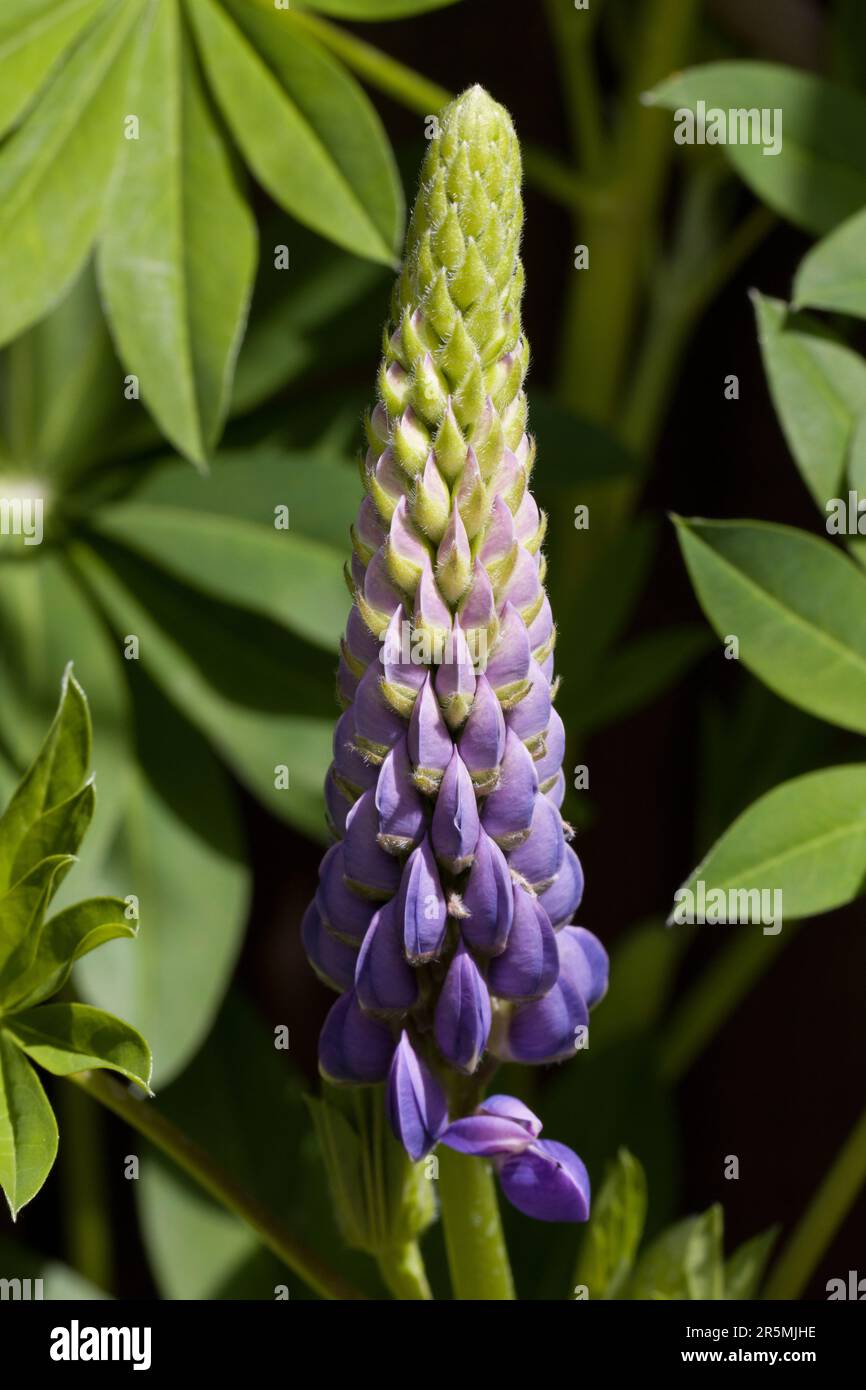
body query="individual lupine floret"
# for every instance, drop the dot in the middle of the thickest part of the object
(444, 912)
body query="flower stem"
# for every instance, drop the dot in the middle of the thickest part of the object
(87, 1231)
(822, 1218)
(143, 1116)
(477, 1256)
(403, 1271)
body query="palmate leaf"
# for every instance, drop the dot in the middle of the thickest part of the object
(75, 173)
(797, 606)
(234, 675)
(35, 960)
(832, 275)
(21, 911)
(818, 177)
(219, 534)
(34, 34)
(55, 776)
(806, 839)
(68, 1038)
(55, 170)
(71, 934)
(818, 387)
(176, 293)
(322, 120)
(28, 1129)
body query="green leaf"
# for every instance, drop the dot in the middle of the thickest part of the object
(744, 1270)
(68, 1038)
(805, 838)
(58, 831)
(33, 37)
(615, 1228)
(818, 177)
(833, 274)
(818, 387)
(21, 911)
(797, 606)
(55, 171)
(28, 1129)
(304, 127)
(290, 578)
(321, 492)
(374, 9)
(64, 939)
(177, 295)
(60, 397)
(58, 771)
(183, 859)
(241, 679)
(685, 1262)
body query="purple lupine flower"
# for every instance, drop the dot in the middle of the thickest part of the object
(444, 911)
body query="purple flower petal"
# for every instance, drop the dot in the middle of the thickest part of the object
(363, 646)
(551, 763)
(349, 766)
(462, 1019)
(421, 906)
(455, 678)
(547, 1182)
(488, 899)
(345, 913)
(540, 857)
(562, 899)
(415, 1102)
(529, 718)
(384, 981)
(529, 965)
(377, 725)
(510, 1108)
(366, 865)
(508, 664)
(455, 827)
(354, 1048)
(482, 743)
(333, 961)
(546, 1030)
(593, 983)
(337, 805)
(402, 819)
(507, 814)
(430, 745)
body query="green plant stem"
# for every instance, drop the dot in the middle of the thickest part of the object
(675, 309)
(87, 1230)
(718, 991)
(621, 229)
(417, 93)
(477, 1257)
(143, 1116)
(572, 34)
(822, 1218)
(403, 1271)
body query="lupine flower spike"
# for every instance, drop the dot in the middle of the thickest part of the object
(444, 911)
